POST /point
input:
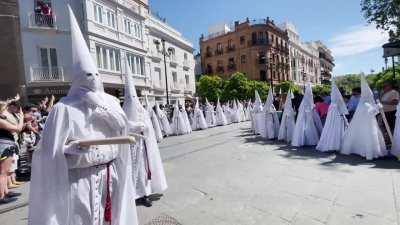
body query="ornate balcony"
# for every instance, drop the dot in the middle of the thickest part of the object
(37, 20)
(47, 74)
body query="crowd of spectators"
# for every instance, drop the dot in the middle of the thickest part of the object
(20, 127)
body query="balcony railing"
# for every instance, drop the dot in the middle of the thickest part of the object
(173, 60)
(230, 48)
(232, 66)
(219, 52)
(208, 54)
(40, 20)
(47, 74)
(186, 64)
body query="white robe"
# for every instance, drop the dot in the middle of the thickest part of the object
(156, 124)
(186, 120)
(335, 124)
(210, 116)
(178, 123)
(198, 122)
(228, 114)
(235, 113)
(308, 124)
(164, 123)
(270, 126)
(364, 137)
(288, 121)
(69, 186)
(220, 117)
(396, 135)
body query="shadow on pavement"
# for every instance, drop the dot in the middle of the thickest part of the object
(331, 158)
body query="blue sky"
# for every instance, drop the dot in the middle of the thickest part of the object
(338, 23)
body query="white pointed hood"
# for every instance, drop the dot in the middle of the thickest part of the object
(85, 76)
(366, 92)
(131, 103)
(197, 107)
(307, 103)
(269, 103)
(337, 99)
(257, 101)
(288, 103)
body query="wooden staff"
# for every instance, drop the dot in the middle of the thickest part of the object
(107, 141)
(388, 130)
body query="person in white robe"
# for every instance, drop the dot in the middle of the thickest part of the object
(154, 120)
(335, 124)
(270, 127)
(178, 123)
(235, 112)
(148, 171)
(220, 117)
(198, 122)
(72, 185)
(257, 114)
(210, 114)
(363, 136)
(227, 112)
(241, 112)
(164, 123)
(186, 120)
(308, 125)
(247, 111)
(396, 135)
(288, 120)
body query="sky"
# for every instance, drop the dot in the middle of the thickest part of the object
(356, 46)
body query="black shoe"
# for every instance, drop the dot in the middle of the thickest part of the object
(147, 202)
(7, 200)
(13, 194)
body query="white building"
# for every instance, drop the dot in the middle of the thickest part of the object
(304, 58)
(179, 63)
(115, 30)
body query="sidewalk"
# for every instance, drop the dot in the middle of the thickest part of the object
(21, 202)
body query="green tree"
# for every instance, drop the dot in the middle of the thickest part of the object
(210, 87)
(322, 90)
(348, 82)
(260, 86)
(379, 79)
(237, 87)
(385, 14)
(286, 85)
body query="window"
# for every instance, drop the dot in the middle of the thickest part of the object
(108, 58)
(157, 76)
(48, 57)
(185, 57)
(110, 19)
(254, 38)
(230, 43)
(243, 59)
(137, 64)
(262, 58)
(219, 47)
(263, 75)
(261, 38)
(187, 80)
(98, 13)
(175, 77)
(242, 40)
(127, 26)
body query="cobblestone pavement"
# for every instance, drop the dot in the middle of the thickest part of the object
(227, 176)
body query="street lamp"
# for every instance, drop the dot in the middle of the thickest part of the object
(165, 54)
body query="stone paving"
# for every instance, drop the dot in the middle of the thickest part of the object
(227, 176)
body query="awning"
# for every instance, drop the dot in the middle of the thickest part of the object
(391, 49)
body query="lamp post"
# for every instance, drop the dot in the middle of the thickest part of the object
(165, 54)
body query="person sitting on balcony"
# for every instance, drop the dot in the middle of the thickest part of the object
(46, 10)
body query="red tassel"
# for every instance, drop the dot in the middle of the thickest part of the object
(147, 161)
(107, 209)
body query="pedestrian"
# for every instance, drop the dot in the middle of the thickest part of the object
(336, 123)
(364, 137)
(270, 125)
(199, 122)
(72, 184)
(220, 116)
(389, 100)
(288, 120)
(353, 102)
(321, 107)
(308, 125)
(148, 173)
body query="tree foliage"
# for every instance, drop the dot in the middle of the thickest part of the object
(385, 14)
(322, 90)
(210, 87)
(286, 85)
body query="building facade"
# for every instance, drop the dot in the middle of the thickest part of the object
(304, 58)
(11, 64)
(258, 48)
(169, 53)
(327, 62)
(116, 32)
